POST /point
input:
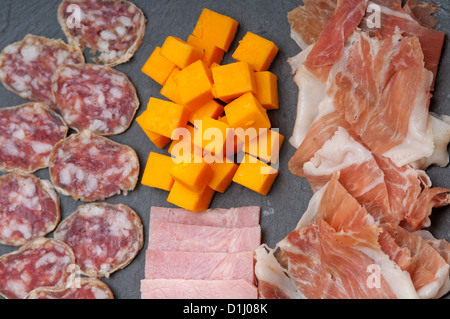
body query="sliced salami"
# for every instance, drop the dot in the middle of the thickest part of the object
(96, 98)
(113, 28)
(42, 262)
(28, 134)
(29, 208)
(90, 167)
(86, 288)
(27, 67)
(104, 237)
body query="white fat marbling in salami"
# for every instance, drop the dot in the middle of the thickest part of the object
(90, 167)
(113, 28)
(27, 67)
(104, 237)
(40, 263)
(29, 208)
(28, 134)
(94, 97)
(82, 288)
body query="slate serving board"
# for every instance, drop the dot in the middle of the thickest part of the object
(289, 197)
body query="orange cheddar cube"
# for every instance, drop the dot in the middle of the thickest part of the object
(211, 109)
(266, 146)
(212, 54)
(194, 174)
(195, 85)
(157, 139)
(216, 28)
(257, 51)
(163, 117)
(182, 147)
(233, 80)
(212, 136)
(267, 90)
(255, 175)
(246, 112)
(157, 172)
(223, 173)
(170, 88)
(183, 197)
(179, 52)
(158, 67)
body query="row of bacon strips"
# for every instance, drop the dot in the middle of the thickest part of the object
(203, 93)
(207, 255)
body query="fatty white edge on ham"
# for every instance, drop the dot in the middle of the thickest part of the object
(340, 152)
(268, 269)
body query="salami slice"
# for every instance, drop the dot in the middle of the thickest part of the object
(28, 134)
(27, 67)
(42, 262)
(113, 28)
(104, 237)
(87, 288)
(29, 208)
(93, 97)
(90, 167)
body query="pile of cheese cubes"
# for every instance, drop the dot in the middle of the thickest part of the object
(202, 94)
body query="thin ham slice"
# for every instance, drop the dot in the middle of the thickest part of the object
(197, 289)
(195, 238)
(219, 217)
(199, 266)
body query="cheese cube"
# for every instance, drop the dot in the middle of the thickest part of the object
(211, 109)
(159, 140)
(158, 67)
(223, 173)
(170, 88)
(212, 136)
(195, 85)
(157, 172)
(185, 198)
(163, 117)
(194, 175)
(255, 175)
(233, 80)
(179, 52)
(257, 51)
(267, 90)
(212, 54)
(246, 112)
(266, 146)
(216, 28)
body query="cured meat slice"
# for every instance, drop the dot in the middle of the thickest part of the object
(195, 238)
(411, 20)
(27, 67)
(430, 272)
(114, 28)
(90, 167)
(327, 264)
(199, 266)
(308, 21)
(28, 134)
(197, 289)
(89, 288)
(95, 97)
(42, 262)
(218, 217)
(104, 237)
(29, 208)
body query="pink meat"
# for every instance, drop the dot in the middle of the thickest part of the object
(197, 289)
(218, 217)
(195, 238)
(199, 266)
